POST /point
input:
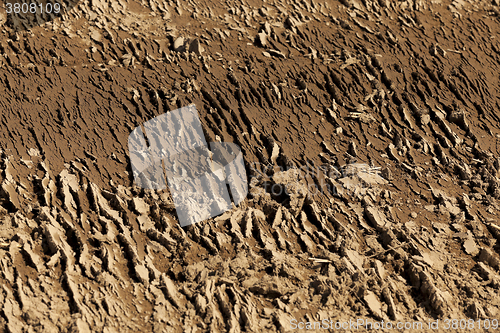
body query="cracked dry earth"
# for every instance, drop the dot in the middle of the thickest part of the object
(391, 108)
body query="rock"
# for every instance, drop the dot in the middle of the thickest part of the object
(352, 149)
(141, 273)
(128, 59)
(452, 209)
(325, 146)
(425, 119)
(36, 260)
(283, 320)
(9, 189)
(140, 206)
(488, 275)
(278, 54)
(386, 173)
(356, 259)
(266, 28)
(200, 303)
(306, 240)
(390, 302)
(275, 152)
(291, 23)
(261, 39)
(247, 224)
(439, 300)
(377, 218)
(33, 152)
(373, 304)
(171, 291)
(179, 44)
(196, 47)
(101, 205)
(379, 268)
(489, 257)
(470, 246)
(145, 223)
(458, 117)
(69, 183)
(392, 152)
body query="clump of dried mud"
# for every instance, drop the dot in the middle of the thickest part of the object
(379, 118)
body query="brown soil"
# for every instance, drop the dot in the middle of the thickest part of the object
(395, 102)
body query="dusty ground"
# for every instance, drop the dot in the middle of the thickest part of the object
(390, 107)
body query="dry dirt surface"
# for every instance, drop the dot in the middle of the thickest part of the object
(380, 119)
